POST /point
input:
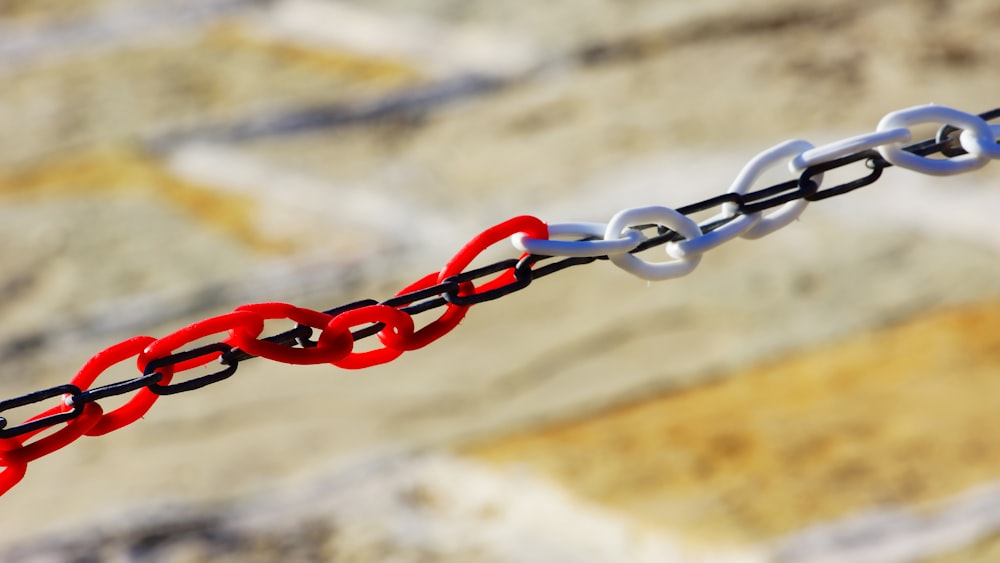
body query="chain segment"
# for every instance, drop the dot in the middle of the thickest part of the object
(965, 141)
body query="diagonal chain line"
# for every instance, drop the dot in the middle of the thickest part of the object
(431, 298)
(453, 289)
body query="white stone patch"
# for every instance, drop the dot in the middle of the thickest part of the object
(440, 50)
(960, 207)
(449, 505)
(297, 204)
(22, 44)
(895, 535)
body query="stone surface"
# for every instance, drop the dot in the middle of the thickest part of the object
(894, 417)
(398, 508)
(173, 161)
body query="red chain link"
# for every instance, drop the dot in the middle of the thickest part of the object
(237, 320)
(63, 437)
(399, 326)
(531, 226)
(453, 314)
(101, 362)
(14, 465)
(15, 454)
(326, 351)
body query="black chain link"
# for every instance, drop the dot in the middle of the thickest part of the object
(453, 289)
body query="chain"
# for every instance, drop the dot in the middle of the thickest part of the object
(965, 142)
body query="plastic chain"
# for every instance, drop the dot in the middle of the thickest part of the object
(399, 328)
(577, 248)
(453, 314)
(237, 320)
(985, 148)
(15, 453)
(101, 362)
(753, 225)
(977, 138)
(78, 414)
(660, 215)
(523, 224)
(61, 438)
(845, 147)
(327, 351)
(13, 463)
(753, 170)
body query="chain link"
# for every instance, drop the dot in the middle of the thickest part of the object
(965, 141)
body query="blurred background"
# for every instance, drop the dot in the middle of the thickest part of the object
(824, 394)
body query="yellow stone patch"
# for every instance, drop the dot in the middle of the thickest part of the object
(902, 416)
(363, 68)
(42, 10)
(211, 78)
(118, 170)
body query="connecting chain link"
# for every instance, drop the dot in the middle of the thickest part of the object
(965, 141)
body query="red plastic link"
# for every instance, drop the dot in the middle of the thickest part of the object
(170, 343)
(15, 455)
(101, 362)
(14, 465)
(399, 327)
(453, 315)
(531, 226)
(325, 352)
(144, 398)
(63, 437)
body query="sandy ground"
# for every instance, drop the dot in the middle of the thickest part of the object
(761, 408)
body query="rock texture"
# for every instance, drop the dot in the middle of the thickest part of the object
(165, 161)
(894, 417)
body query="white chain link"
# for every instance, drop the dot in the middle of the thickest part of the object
(982, 147)
(977, 143)
(754, 225)
(665, 216)
(618, 238)
(754, 169)
(844, 147)
(578, 248)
